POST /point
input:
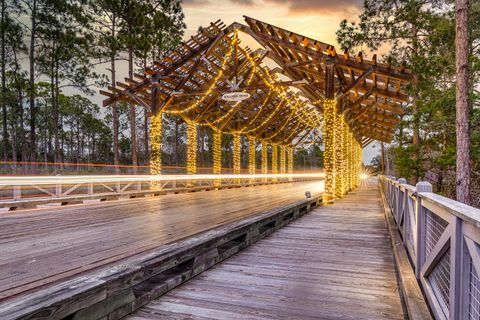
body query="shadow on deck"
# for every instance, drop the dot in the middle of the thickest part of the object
(334, 263)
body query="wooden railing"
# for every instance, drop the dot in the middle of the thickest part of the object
(442, 238)
(30, 191)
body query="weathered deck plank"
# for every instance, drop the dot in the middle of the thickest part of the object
(334, 263)
(42, 246)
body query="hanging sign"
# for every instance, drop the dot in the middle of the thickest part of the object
(235, 96)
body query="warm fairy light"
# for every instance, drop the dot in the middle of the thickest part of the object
(156, 148)
(338, 156)
(274, 159)
(191, 147)
(245, 126)
(328, 155)
(236, 153)
(215, 82)
(290, 151)
(251, 155)
(358, 160)
(283, 160)
(264, 157)
(345, 130)
(310, 117)
(351, 161)
(217, 152)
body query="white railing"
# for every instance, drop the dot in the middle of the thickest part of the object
(28, 191)
(442, 238)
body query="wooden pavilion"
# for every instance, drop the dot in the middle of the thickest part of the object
(213, 80)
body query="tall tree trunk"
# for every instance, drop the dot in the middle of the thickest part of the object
(416, 121)
(116, 160)
(175, 145)
(21, 130)
(133, 124)
(382, 158)
(31, 57)
(4, 87)
(56, 141)
(60, 140)
(462, 110)
(145, 123)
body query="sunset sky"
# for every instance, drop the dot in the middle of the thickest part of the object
(318, 19)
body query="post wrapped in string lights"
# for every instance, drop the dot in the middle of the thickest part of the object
(191, 147)
(283, 159)
(351, 161)
(236, 153)
(264, 157)
(359, 162)
(156, 148)
(217, 152)
(274, 159)
(339, 163)
(217, 155)
(329, 114)
(251, 155)
(290, 152)
(345, 166)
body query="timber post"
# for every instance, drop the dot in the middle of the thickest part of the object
(329, 115)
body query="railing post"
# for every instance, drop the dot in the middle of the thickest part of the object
(392, 194)
(58, 190)
(90, 189)
(17, 192)
(401, 209)
(456, 262)
(422, 186)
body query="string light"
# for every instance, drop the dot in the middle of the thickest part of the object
(217, 155)
(308, 117)
(156, 148)
(217, 152)
(191, 147)
(251, 155)
(274, 159)
(290, 151)
(344, 146)
(264, 157)
(328, 156)
(215, 82)
(283, 160)
(236, 153)
(351, 142)
(338, 157)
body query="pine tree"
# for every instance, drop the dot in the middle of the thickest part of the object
(462, 107)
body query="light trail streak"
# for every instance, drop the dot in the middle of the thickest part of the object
(52, 180)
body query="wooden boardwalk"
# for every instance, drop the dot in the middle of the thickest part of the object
(334, 263)
(42, 246)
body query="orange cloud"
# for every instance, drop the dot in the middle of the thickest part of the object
(294, 7)
(323, 7)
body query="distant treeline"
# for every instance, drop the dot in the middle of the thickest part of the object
(53, 56)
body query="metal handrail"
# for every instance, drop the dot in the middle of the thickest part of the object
(442, 238)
